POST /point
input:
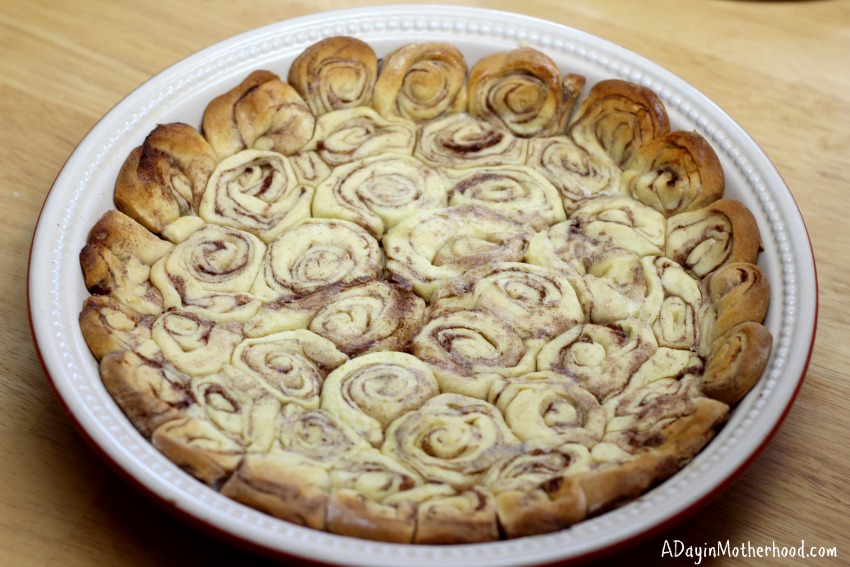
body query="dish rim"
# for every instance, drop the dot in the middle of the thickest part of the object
(778, 209)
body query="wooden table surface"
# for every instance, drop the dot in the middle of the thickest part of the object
(781, 69)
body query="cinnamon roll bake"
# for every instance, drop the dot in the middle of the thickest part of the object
(413, 298)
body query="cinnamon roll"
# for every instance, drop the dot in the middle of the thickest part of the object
(262, 113)
(292, 365)
(673, 303)
(468, 350)
(116, 261)
(200, 448)
(108, 326)
(452, 439)
(149, 392)
(602, 358)
(520, 89)
(675, 173)
(616, 119)
(335, 73)
(369, 392)
(624, 223)
(194, 344)
(541, 460)
(462, 141)
(432, 246)
(578, 175)
(517, 192)
(317, 435)
(707, 239)
(294, 490)
(549, 404)
(257, 192)
(537, 302)
(164, 178)
(465, 517)
(211, 274)
(421, 82)
(736, 361)
(374, 316)
(316, 254)
(739, 293)
(238, 406)
(616, 284)
(345, 136)
(553, 505)
(377, 193)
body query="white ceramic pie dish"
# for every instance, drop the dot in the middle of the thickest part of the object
(83, 192)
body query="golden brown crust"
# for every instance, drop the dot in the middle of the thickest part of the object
(467, 517)
(421, 81)
(739, 292)
(707, 239)
(335, 73)
(616, 119)
(520, 89)
(108, 326)
(116, 261)
(609, 486)
(148, 393)
(555, 505)
(353, 513)
(736, 362)
(263, 113)
(164, 178)
(675, 173)
(290, 489)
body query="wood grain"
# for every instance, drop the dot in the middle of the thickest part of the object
(781, 69)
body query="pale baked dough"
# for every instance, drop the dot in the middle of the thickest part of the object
(423, 300)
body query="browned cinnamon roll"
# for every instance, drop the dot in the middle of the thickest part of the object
(463, 141)
(335, 73)
(262, 113)
(165, 177)
(421, 82)
(616, 119)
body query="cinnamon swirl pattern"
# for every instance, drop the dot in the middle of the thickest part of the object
(413, 298)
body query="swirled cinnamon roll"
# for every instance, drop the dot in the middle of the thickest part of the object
(257, 192)
(616, 119)
(117, 259)
(462, 141)
(369, 392)
(452, 439)
(335, 73)
(199, 447)
(602, 358)
(517, 192)
(294, 490)
(675, 173)
(673, 303)
(616, 284)
(549, 404)
(468, 516)
(520, 89)
(707, 239)
(373, 316)
(537, 302)
(290, 364)
(194, 344)
(468, 350)
(736, 362)
(317, 435)
(378, 476)
(149, 392)
(739, 292)
(211, 273)
(421, 82)
(239, 406)
(377, 193)
(624, 223)
(316, 254)
(432, 246)
(109, 326)
(578, 175)
(541, 460)
(164, 178)
(345, 136)
(262, 113)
